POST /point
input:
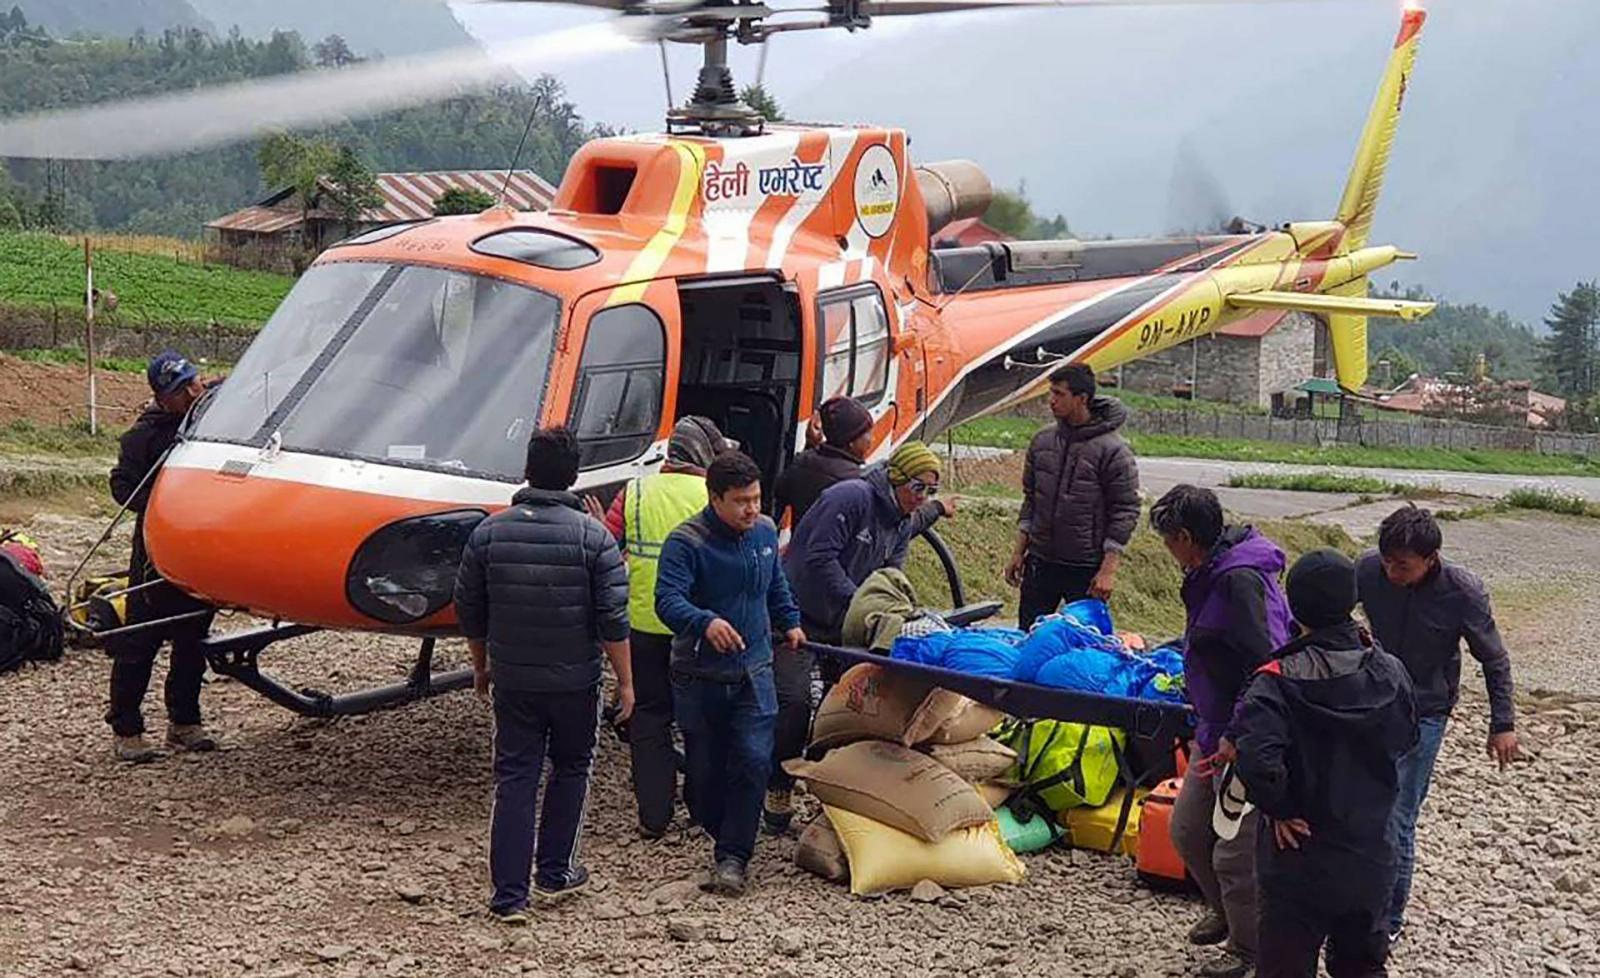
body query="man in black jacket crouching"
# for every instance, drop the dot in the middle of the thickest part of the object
(1321, 731)
(541, 592)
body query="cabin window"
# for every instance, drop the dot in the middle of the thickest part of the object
(854, 333)
(618, 406)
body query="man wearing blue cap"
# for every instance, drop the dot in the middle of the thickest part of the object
(176, 385)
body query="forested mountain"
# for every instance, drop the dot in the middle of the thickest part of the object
(1452, 338)
(177, 195)
(372, 27)
(109, 18)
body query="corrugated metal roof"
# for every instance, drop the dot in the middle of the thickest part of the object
(406, 197)
(258, 219)
(410, 196)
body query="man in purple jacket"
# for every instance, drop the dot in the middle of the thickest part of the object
(1237, 616)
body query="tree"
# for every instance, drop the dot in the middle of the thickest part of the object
(1571, 353)
(758, 98)
(333, 52)
(462, 200)
(352, 188)
(1011, 212)
(1401, 365)
(287, 160)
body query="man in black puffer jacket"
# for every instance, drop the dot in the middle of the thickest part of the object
(541, 592)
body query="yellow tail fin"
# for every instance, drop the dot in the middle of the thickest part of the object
(1347, 338)
(1360, 198)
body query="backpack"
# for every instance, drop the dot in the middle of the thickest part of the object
(30, 621)
(1065, 765)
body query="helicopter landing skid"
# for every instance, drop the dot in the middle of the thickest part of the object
(236, 655)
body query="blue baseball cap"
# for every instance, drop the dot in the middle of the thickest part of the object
(169, 372)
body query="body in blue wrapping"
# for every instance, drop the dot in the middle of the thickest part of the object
(977, 651)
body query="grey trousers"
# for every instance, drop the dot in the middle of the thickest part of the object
(1225, 870)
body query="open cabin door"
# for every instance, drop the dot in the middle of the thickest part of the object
(741, 354)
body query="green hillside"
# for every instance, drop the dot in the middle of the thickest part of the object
(41, 270)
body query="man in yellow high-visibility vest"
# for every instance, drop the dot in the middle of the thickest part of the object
(640, 517)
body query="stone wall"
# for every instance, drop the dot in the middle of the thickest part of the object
(1235, 369)
(46, 329)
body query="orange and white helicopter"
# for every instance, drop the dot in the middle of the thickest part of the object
(729, 268)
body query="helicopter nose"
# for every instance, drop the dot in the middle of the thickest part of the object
(306, 553)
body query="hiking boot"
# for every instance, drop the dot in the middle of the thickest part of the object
(511, 916)
(190, 737)
(1227, 965)
(1208, 930)
(133, 749)
(577, 882)
(728, 878)
(777, 812)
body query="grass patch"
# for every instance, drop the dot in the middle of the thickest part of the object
(71, 356)
(1008, 431)
(1552, 501)
(1364, 486)
(43, 271)
(1146, 600)
(23, 437)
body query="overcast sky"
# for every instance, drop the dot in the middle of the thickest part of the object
(1138, 121)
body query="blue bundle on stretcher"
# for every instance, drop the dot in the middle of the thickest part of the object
(1075, 649)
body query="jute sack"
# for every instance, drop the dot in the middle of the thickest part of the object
(867, 703)
(894, 785)
(975, 760)
(820, 852)
(883, 858)
(944, 717)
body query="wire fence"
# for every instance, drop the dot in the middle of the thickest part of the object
(1373, 432)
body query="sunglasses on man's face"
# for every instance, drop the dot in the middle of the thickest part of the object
(923, 488)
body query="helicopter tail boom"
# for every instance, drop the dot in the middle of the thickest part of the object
(1360, 199)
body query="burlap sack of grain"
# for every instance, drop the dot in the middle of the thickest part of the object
(949, 718)
(820, 852)
(994, 793)
(894, 785)
(867, 703)
(975, 760)
(883, 858)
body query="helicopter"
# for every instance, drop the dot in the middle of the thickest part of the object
(727, 267)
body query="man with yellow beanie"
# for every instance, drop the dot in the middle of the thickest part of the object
(854, 528)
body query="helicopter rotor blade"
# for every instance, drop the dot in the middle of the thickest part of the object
(200, 119)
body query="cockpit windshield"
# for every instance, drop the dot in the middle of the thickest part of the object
(410, 365)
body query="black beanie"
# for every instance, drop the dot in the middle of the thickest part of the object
(844, 420)
(1322, 588)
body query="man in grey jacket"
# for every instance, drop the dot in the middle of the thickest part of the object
(541, 593)
(1421, 608)
(1080, 500)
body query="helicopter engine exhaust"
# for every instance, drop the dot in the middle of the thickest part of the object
(954, 190)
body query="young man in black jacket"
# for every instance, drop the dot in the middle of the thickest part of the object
(541, 593)
(846, 439)
(175, 382)
(1321, 729)
(1422, 608)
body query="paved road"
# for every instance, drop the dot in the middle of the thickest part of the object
(1160, 474)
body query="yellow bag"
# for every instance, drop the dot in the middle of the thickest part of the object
(883, 858)
(93, 611)
(1094, 828)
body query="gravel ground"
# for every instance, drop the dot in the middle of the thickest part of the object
(358, 848)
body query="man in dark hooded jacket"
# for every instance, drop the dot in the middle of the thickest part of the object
(1080, 501)
(1236, 616)
(1321, 731)
(846, 440)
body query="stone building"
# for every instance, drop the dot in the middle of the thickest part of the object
(1256, 361)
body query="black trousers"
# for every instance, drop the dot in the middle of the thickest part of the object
(791, 672)
(133, 656)
(650, 746)
(1293, 933)
(1047, 585)
(528, 726)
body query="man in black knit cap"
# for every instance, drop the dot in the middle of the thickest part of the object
(1321, 730)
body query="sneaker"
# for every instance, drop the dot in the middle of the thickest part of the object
(728, 878)
(577, 882)
(1227, 965)
(650, 834)
(1208, 930)
(777, 812)
(133, 749)
(1396, 932)
(190, 737)
(511, 917)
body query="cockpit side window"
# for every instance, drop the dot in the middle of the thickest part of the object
(618, 405)
(853, 335)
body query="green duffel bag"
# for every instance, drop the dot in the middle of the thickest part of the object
(1065, 765)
